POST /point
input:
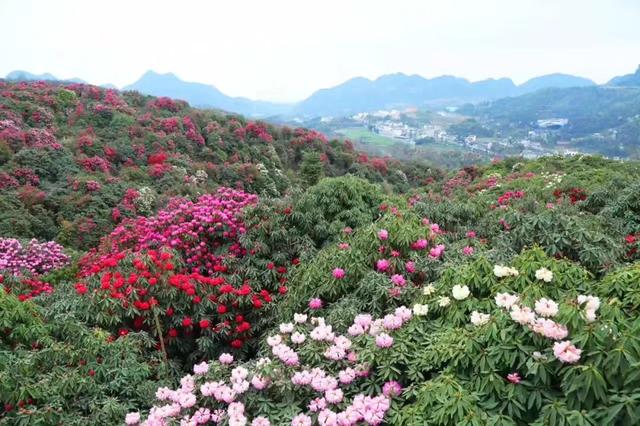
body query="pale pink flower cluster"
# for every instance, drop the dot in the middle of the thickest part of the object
(383, 234)
(338, 350)
(479, 318)
(544, 326)
(398, 280)
(225, 358)
(200, 369)
(566, 352)
(546, 307)
(182, 403)
(506, 300)
(287, 355)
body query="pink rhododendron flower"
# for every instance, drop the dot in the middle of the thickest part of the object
(301, 420)
(261, 421)
(338, 273)
(398, 280)
(383, 234)
(132, 418)
(514, 378)
(201, 368)
(383, 340)
(546, 307)
(391, 388)
(315, 303)
(566, 352)
(382, 265)
(410, 266)
(420, 244)
(437, 251)
(225, 358)
(467, 251)
(471, 234)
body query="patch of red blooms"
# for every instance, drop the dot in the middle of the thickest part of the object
(632, 243)
(573, 194)
(26, 288)
(178, 261)
(506, 198)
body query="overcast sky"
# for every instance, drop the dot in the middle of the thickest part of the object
(285, 50)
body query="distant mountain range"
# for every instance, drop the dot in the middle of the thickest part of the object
(355, 95)
(20, 75)
(203, 95)
(401, 91)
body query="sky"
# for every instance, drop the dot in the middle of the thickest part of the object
(283, 50)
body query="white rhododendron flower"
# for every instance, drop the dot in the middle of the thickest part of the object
(420, 310)
(429, 290)
(544, 274)
(478, 318)
(444, 301)
(460, 292)
(592, 304)
(505, 271)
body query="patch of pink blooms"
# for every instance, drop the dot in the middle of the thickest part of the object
(225, 398)
(563, 350)
(35, 257)
(338, 273)
(197, 230)
(514, 378)
(383, 265)
(437, 251)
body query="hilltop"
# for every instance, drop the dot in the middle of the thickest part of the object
(77, 159)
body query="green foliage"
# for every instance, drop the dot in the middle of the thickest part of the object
(56, 370)
(311, 168)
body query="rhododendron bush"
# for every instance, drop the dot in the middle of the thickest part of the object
(175, 274)
(312, 372)
(34, 258)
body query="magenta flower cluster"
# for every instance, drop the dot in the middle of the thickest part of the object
(34, 258)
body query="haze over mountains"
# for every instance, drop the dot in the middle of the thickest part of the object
(358, 94)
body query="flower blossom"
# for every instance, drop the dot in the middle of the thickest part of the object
(338, 273)
(479, 318)
(383, 340)
(546, 307)
(501, 271)
(566, 352)
(460, 292)
(544, 274)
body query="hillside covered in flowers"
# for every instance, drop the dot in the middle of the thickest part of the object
(164, 265)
